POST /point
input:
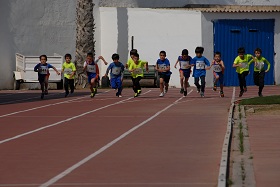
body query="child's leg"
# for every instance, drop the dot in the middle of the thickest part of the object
(196, 82)
(202, 78)
(256, 78)
(46, 84)
(261, 82)
(119, 86)
(71, 83)
(134, 84)
(161, 82)
(138, 86)
(241, 85)
(245, 73)
(182, 80)
(66, 83)
(216, 79)
(92, 85)
(166, 81)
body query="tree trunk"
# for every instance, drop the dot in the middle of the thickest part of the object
(84, 37)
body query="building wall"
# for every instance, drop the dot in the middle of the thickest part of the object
(207, 34)
(153, 30)
(33, 27)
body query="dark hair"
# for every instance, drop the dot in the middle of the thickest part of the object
(136, 55)
(199, 50)
(162, 52)
(115, 56)
(241, 50)
(67, 55)
(43, 56)
(258, 50)
(90, 54)
(133, 52)
(185, 52)
(217, 53)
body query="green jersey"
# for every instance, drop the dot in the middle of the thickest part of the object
(260, 64)
(244, 62)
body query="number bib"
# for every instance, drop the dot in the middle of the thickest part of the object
(244, 65)
(162, 66)
(260, 65)
(185, 64)
(91, 68)
(44, 70)
(116, 70)
(200, 65)
(217, 68)
(68, 71)
(138, 71)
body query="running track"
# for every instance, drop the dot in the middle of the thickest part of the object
(110, 141)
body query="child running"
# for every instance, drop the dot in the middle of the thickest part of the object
(43, 74)
(185, 70)
(69, 70)
(218, 72)
(136, 69)
(259, 71)
(163, 68)
(116, 74)
(91, 67)
(241, 63)
(201, 64)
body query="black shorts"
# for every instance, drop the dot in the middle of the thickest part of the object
(41, 78)
(165, 78)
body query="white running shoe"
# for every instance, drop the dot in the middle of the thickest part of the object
(161, 94)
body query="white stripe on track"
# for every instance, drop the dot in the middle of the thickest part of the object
(5, 115)
(75, 166)
(69, 119)
(233, 95)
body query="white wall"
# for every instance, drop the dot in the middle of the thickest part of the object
(207, 34)
(153, 31)
(33, 27)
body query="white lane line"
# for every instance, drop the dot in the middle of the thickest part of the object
(233, 95)
(69, 119)
(35, 108)
(75, 166)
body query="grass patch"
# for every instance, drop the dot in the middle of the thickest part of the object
(268, 100)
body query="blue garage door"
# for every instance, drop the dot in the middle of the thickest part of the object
(229, 35)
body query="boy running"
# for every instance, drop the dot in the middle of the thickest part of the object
(163, 68)
(91, 67)
(43, 74)
(259, 71)
(201, 64)
(116, 74)
(218, 72)
(185, 70)
(69, 70)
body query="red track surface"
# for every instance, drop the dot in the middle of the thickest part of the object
(110, 141)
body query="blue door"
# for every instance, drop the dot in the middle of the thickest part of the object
(229, 35)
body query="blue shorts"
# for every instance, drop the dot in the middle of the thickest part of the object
(116, 82)
(220, 76)
(91, 76)
(186, 72)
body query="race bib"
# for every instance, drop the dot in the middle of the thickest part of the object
(200, 65)
(68, 71)
(162, 66)
(244, 65)
(138, 71)
(185, 64)
(44, 70)
(116, 70)
(260, 65)
(91, 68)
(217, 68)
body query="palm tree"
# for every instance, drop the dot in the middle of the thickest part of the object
(84, 36)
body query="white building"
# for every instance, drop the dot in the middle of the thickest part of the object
(34, 27)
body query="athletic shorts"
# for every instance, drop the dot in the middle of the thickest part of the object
(186, 73)
(165, 78)
(220, 75)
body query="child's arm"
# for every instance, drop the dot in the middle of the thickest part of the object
(57, 72)
(101, 57)
(268, 65)
(147, 67)
(222, 64)
(107, 71)
(36, 68)
(175, 66)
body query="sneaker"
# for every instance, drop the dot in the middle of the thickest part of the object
(161, 94)
(72, 91)
(66, 94)
(165, 90)
(215, 88)
(95, 90)
(46, 92)
(139, 92)
(241, 93)
(245, 89)
(198, 90)
(136, 95)
(260, 94)
(120, 95)
(92, 94)
(42, 95)
(182, 90)
(185, 93)
(201, 94)
(222, 94)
